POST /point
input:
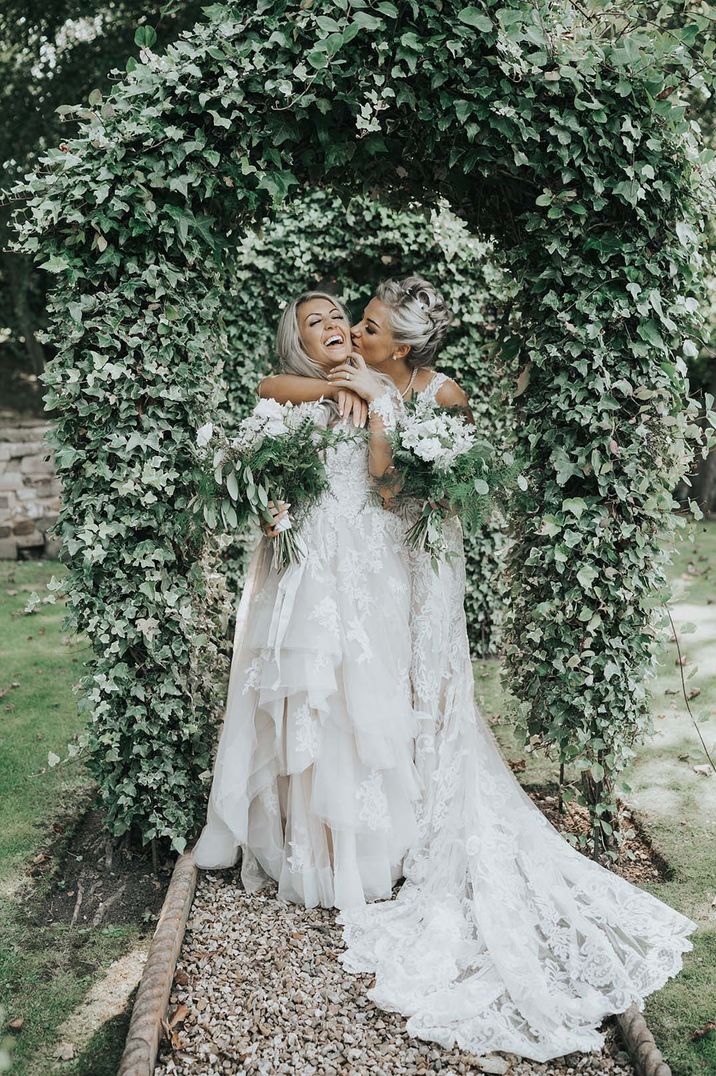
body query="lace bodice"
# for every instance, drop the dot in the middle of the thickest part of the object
(347, 468)
(433, 386)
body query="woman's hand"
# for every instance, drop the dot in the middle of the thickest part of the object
(350, 403)
(278, 512)
(357, 377)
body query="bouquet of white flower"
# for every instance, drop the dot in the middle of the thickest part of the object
(440, 461)
(276, 455)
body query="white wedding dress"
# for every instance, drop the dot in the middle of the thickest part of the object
(503, 936)
(314, 777)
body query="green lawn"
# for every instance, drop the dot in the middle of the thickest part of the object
(38, 668)
(44, 972)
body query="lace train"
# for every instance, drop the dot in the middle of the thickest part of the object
(503, 936)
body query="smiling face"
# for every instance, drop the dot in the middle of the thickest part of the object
(373, 337)
(324, 330)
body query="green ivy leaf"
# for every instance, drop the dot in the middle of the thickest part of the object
(472, 16)
(145, 37)
(55, 264)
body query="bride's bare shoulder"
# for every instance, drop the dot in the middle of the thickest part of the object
(450, 394)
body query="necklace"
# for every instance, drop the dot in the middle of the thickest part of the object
(409, 386)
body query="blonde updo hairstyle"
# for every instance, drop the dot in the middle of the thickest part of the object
(418, 315)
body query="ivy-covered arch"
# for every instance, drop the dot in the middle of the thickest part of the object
(570, 149)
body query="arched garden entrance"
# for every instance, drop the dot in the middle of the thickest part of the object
(569, 151)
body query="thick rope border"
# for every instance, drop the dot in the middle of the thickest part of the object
(646, 1055)
(145, 1027)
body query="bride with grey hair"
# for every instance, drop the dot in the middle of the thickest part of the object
(503, 936)
(314, 778)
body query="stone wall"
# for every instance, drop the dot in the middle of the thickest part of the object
(29, 489)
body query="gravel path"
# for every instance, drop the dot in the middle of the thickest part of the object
(259, 989)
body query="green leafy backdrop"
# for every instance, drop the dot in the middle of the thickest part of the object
(568, 145)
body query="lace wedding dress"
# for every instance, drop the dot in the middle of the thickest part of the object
(503, 936)
(314, 776)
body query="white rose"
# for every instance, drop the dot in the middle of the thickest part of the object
(272, 415)
(430, 449)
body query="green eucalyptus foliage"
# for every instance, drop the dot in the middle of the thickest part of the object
(317, 240)
(562, 144)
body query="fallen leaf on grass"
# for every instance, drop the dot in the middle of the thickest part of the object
(517, 764)
(703, 1031)
(705, 769)
(671, 691)
(11, 593)
(16, 1024)
(65, 1051)
(694, 693)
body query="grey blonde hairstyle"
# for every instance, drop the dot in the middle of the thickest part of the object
(289, 348)
(418, 315)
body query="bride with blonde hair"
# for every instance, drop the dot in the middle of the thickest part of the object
(314, 778)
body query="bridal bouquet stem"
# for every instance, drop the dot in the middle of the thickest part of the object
(276, 455)
(440, 461)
